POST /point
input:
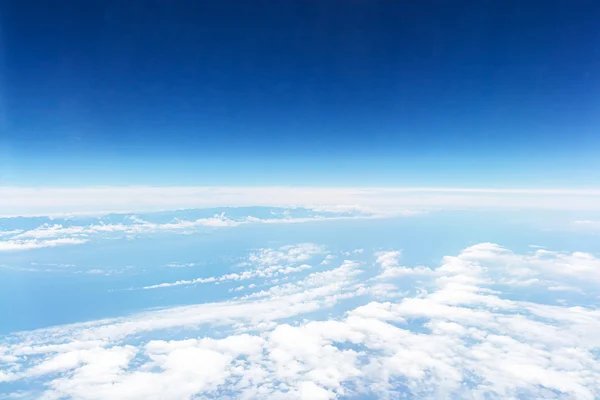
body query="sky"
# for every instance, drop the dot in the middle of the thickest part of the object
(329, 93)
(299, 200)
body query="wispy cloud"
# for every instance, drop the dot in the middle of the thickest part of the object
(180, 265)
(15, 245)
(137, 227)
(587, 224)
(266, 263)
(54, 234)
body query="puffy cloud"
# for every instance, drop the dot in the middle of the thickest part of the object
(286, 254)
(458, 337)
(543, 264)
(388, 259)
(328, 259)
(389, 262)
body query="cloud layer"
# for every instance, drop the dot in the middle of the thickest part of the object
(45, 201)
(463, 329)
(130, 226)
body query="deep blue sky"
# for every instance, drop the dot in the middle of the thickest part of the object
(444, 93)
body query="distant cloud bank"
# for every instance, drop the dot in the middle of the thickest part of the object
(20, 201)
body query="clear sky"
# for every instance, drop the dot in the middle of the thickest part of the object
(428, 93)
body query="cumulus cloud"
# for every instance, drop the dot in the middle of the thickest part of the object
(543, 265)
(353, 252)
(328, 259)
(459, 336)
(389, 262)
(388, 259)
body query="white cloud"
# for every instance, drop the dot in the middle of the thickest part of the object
(182, 282)
(577, 266)
(391, 200)
(180, 265)
(328, 259)
(564, 289)
(286, 254)
(587, 224)
(95, 271)
(21, 394)
(385, 291)
(460, 338)
(52, 231)
(353, 252)
(389, 262)
(10, 233)
(46, 234)
(397, 272)
(388, 259)
(138, 227)
(14, 245)
(266, 263)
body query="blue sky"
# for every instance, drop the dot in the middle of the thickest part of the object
(303, 200)
(488, 94)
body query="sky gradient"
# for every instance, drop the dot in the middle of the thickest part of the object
(469, 94)
(299, 200)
